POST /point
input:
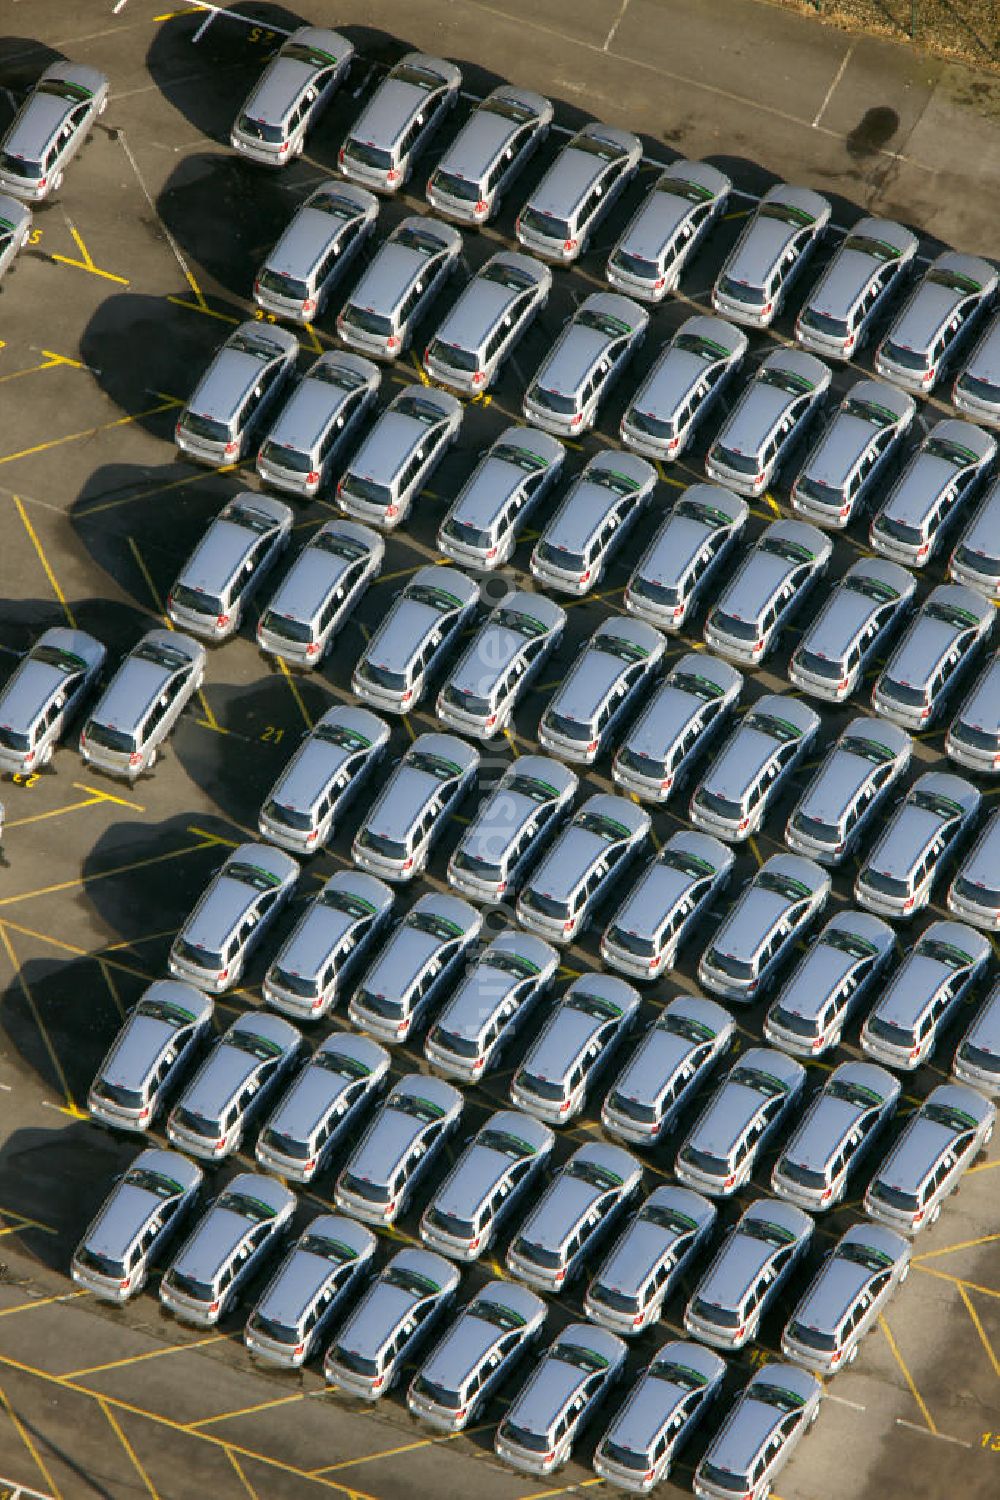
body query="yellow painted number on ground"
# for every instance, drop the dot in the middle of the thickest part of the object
(34, 236)
(258, 34)
(26, 779)
(260, 315)
(991, 1440)
(272, 735)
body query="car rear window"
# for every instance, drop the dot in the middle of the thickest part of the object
(261, 130)
(108, 738)
(205, 427)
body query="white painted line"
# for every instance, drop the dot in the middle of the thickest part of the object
(120, 6)
(615, 25)
(836, 79)
(6, 1087)
(843, 1401)
(916, 1427)
(204, 26)
(149, 199)
(235, 15)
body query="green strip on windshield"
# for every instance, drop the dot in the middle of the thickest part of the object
(666, 1371)
(550, 791)
(428, 1104)
(627, 479)
(347, 1251)
(265, 874)
(796, 379)
(531, 968)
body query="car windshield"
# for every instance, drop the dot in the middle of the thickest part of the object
(284, 1144)
(979, 1057)
(279, 812)
(822, 322)
(908, 1203)
(284, 284)
(791, 1021)
(779, 729)
(389, 1006)
(521, 458)
(741, 291)
(632, 1109)
(872, 588)
(864, 1255)
(457, 187)
(933, 802)
(728, 963)
(284, 626)
(724, 807)
(543, 1088)
(620, 647)
(900, 531)
(699, 687)
(260, 130)
(952, 1119)
(782, 885)
(248, 1207)
(704, 1161)
(630, 942)
(634, 265)
(366, 318)
(536, 791)
(883, 883)
(578, 1355)
(606, 828)
(434, 765)
(511, 1146)
(759, 1081)
(848, 942)
(878, 249)
(196, 954)
(103, 1265)
(979, 892)
(913, 697)
(295, 984)
(945, 953)
(260, 1047)
(464, 531)
(523, 1437)
(682, 1375)
(978, 561)
(547, 225)
(473, 864)
(805, 1176)
(686, 1026)
(157, 1183)
(649, 422)
(453, 355)
(252, 875)
(434, 926)
(871, 412)
(434, 598)
(368, 154)
(343, 736)
(372, 671)
(889, 1031)
(410, 1281)
(868, 749)
(545, 905)
(591, 1172)
(949, 614)
(952, 453)
(714, 1312)
(976, 386)
(417, 1107)
(271, 1328)
(732, 625)
(907, 359)
(815, 828)
(593, 1005)
(341, 1064)
(186, 597)
(554, 401)
(380, 843)
(614, 480)
(439, 1394)
(777, 1395)
(167, 1011)
(601, 322)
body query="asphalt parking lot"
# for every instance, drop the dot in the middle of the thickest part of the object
(136, 271)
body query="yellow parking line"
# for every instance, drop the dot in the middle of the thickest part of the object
(72, 437)
(116, 1428)
(409, 727)
(585, 1484)
(906, 1375)
(984, 1166)
(977, 1325)
(775, 507)
(755, 851)
(512, 742)
(241, 1476)
(973, 1286)
(138, 1359)
(314, 343)
(86, 263)
(668, 478)
(68, 885)
(53, 581)
(293, 685)
(8, 1312)
(738, 213)
(983, 1239)
(245, 1411)
(422, 375)
(57, 1066)
(370, 1458)
(54, 812)
(28, 1442)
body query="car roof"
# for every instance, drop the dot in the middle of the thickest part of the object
(224, 900)
(480, 1167)
(34, 682)
(985, 359)
(309, 410)
(985, 1029)
(661, 885)
(652, 1399)
(234, 370)
(484, 301)
(931, 304)
(221, 1229)
(764, 241)
(980, 865)
(128, 1208)
(143, 1039)
(982, 706)
(486, 133)
(852, 267)
(572, 173)
(741, 1257)
(138, 680)
(284, 78)
(830, 1119)
(846, 611)
(384, 1305)
(661, 213)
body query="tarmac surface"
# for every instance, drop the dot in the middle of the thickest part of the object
(136, 271)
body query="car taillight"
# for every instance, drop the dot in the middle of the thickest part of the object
(659, 283)
(845, 510)
(313, 836)
(312, 477)
(914, 1053)
(729, 1182)
(340, 488)
(402, 1028)
(930, 375)
(592, 746)
(482, 206)
(478, 1065)
(340, 157)
(299, 1349)
(391, 510)
(83, 738)
(478, 377)
(766, 309)
(827, 1193)
(843, 683)
(283, 147)
(474, 1245)
(585, 576)
(923, 550)
(925, 711)
(559, 1276)
(637, 1321)
(430, 182)
(744, 823)
(313, 648)
(666, 783)
(569, 245)
(760, 478)
(653, 965)
(390, 1208)
(565, 1106)
(42, 181)
(673, 443)
(377, 1382)
(517, 224)
(144, 1114)
(392, 342)
(135, 759)
(839, 848)
(757, 649)
(407, 696)
(177, 429)
(124, 1283)
(849, 341)
(213, 1307)
(491, 721)
(392, 175)
(221, 621)
(231, 448)
(816, 1043)
(577, 419)
(309, 305)
(220, 1143)
(568, 926)
(908, 902)
(408, 863)
(492, 552)
(317, 1003)
(224, 973)
(501, 887)
(29, 757)
(917, 1217)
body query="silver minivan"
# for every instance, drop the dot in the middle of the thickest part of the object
(588, 356)
(418, 961)
(866, 271)
(140, 1216)
(847, 790)
(405, 1138)
(977, 388)
(496, 142)
(747, 1108)
(685, 715)
(668, 1402)
(336, 758)
(499, 993)
(580, 869)
(977, 1056)
(398, 832)
(770, 418)
(778, 1405)
(843, 1122)
(223, 417)
(481, 527)
(751, 1266)
(335, 932)
(976, 558)
(229, 564)
(942, 642)
(240, 1231)
(897, 875)
(641, 1270)
(500, 664)
(973, 737)
(845, 1299)
(480, 330)
(673, 575)
(560, 215)
(673, 219)
(924, 994)
(493, 1335)
(947, 304)
(829, 982)
(770, 254)
(773, 581)
(321, 241)
(298, 454)
(597, 513)
(852, 453)
(571, 1378)
(751, 941)
(322, 1273)
(669, 1066)
(416, 634)
(233, 913)
(324, 1107)
(141, 704)
(49, 129)
(530, 802)
(15, 229)
(941, 1140)
(612, 670)
(974, 894)
(318, 593)
(932, 493)
(240, 1074)
(402, 279)
(45, 691)
(580, 1038)
(753, 767)
(860, 614)
(678, 885)
(399, 455)
(296, 86)
(390, 1324)
(502, 1163)
(683, 386)
(152, 1051)
(399, 121)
